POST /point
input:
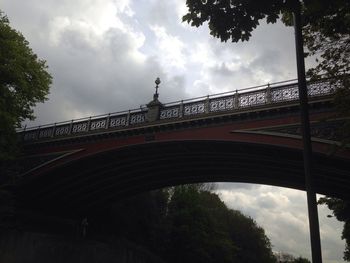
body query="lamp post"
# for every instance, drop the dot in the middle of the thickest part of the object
(307, 147)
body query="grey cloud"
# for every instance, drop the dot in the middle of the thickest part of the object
(222, 70)
(91, 80)
(269, 62)
(270, 53)
(267, 202)
(160, 13)
(236, 186)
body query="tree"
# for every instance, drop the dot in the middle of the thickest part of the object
(327, 36)
(243, 230)
(24, 81)
(196, 232)
(326, 25)
(190, 224)
(288, 258)
(234, 20)
(301, 260)
(326, 33)
(341, 210)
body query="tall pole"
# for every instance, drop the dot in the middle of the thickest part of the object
(307, 149)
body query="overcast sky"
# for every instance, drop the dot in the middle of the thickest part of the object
(104, 56)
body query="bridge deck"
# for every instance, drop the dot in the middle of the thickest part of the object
(249, 99)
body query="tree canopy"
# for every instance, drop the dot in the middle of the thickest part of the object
(189, 224)
(234, 20)
(288, 258)
(326, 25)
(24, 81)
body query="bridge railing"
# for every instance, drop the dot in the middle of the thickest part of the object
(280, 92)
(248, 98)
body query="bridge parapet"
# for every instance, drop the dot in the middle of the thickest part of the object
(234, 101)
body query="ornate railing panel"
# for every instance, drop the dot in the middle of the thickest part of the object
(252, 99)
(137, 118)
(46, 133)
(221, 104)
(194, 108)
(62, 130)
(321, 88)
(119, 121)
(98, 124)
(169, 113)
(231, 101)
(287, 93)
(80, 127)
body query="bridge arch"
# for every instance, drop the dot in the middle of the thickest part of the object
(94, 181)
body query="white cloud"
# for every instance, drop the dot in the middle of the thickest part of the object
(169, 49)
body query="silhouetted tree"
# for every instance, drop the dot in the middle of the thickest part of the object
(24, 81)
(190, 224)
(288, 258)
(326, 25)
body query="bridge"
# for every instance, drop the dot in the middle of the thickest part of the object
(252, 136)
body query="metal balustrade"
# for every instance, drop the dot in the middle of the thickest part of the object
(219, 103)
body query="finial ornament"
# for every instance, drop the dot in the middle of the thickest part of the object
(154, 107)
(157, 83)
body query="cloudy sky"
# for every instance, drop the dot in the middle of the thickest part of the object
(104, 56)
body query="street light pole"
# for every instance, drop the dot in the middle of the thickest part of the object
(307, 147)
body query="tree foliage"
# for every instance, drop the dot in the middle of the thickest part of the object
(326, 25)
(341, 210)
(288, 258)
(234, 20)
(24, 81)
(327, 36)
(190, 224)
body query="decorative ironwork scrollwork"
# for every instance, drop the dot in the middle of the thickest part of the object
(62, 130)
(287, 93)
(252, 99)
(194, 108)
(45, 133)
(320, 88)
(137, 118)
(117, 122)
(98, 124)
(221, 104)
(168, 113)
(80, 127)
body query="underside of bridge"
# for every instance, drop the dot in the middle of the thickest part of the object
(95, 182)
